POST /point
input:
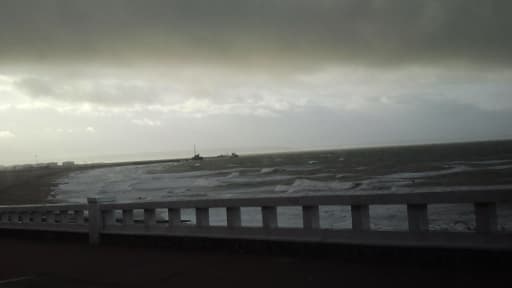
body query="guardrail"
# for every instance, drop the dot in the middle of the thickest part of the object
(99, 218)
(60, 217)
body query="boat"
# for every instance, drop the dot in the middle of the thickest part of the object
(197, 156)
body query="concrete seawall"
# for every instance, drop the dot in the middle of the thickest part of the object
(46, 245)
(50, 259)
(99, 218)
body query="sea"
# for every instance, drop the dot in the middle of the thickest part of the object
(399, 169)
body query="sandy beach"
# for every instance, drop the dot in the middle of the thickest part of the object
(28, 186)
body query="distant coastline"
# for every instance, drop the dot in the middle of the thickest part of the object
(33, 185)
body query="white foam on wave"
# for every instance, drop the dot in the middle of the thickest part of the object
(451, 170)
(207, 182)
(321, 175)
(133, 182)
(412, 175)
(233, 175)
(500, 167)
(344, 175)
(281, 188)
(289, 168)
(136, 183)
(483, 162)
(305, 185)
(255, 179)
(268, 170)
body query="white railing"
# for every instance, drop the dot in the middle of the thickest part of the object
(97, 218)
(60, 217)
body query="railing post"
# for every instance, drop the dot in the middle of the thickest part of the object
(269, 216)
(109, 217)
(234, 217)
(50, 216)
(360, 217)
(15, 217)
(417, 217)
(485, 217)
(202, 217)
(149, 218)
(36, 217)
(173, 216)
(5, 217)
(95, 220)
(127, 217)
(310, 217)
(57, 217)
(79, 216)
(25, 217)
(64, 216)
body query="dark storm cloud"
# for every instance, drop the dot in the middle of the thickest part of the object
(361, 31)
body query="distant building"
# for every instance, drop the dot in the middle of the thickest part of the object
(22, 167)
(47, 165)
(68, 164)
(52, 164)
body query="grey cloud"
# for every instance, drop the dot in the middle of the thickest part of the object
(96, 91)
(261, 32)
(217, 91)
(36, 87)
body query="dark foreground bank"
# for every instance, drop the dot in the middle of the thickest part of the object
(65, 260)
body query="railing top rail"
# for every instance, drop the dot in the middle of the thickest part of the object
(42, 207)
(452, 197)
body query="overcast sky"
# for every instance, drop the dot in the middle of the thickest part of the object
(85, 78)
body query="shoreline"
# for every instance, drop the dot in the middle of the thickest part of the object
(34, 185)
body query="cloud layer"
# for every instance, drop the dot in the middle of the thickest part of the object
(94, 77)
(217, 91)
(5, 134)
(257, 32)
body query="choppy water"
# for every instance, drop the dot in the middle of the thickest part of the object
(376, 170)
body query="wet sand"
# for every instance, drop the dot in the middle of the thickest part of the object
(28, 186)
